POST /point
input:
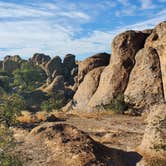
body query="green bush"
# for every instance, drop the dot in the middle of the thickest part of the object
(117, 104)
(29, 77)
(10, 108)
(56, 101)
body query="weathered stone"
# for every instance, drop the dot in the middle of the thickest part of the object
(69, 62)
(55, 144)
(87, 88)
(154, 141)
(11, 63)
(69, 69)
(101, 59)
(145, 84)
(54, 67)
(56, 85)
(114, 78)
(40, 59)
(157, 40)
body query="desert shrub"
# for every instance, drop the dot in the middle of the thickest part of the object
(117, 104)
(56, 101)
(10, 108)
(29, 77)
(7, 144)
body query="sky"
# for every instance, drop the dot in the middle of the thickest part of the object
(80, 27)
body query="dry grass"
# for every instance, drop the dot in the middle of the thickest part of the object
(28, 117)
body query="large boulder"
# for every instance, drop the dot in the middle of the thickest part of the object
(11, 63)
(40, 59)
(157, 40)
(87, 88)
(153, 146)
(101, 59)
(114, 78)
(69, 62)
(54, 67)
(61, 144)
(145, 84)
(70, 69)
(55, 86)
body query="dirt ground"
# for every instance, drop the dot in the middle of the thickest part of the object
(113, 130)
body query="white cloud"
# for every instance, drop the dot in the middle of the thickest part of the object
(147, 4)
(56, 35)
(124, 2)
(126, 12)
(14, 11)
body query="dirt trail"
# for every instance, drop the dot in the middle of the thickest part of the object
(118, 131)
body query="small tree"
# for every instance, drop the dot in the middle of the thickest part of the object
(10, 108)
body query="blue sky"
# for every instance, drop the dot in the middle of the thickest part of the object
(80, 27)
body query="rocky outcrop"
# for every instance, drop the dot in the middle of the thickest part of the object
(153, 145)
(54, 67)
(11, 63)
(40, 59)
(114, 78)
(64, 145)
(87, 88)
(101, 59)
(70, 69)
(145, 84)
(157, 40)
(56, 85)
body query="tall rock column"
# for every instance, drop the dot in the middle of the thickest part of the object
(157, 40)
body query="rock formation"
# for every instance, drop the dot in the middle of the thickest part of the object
(11, 63)
(114, 78)
(64, 145)
(56, 85)
(101, 59)
(157, 40)
(145, 84)
(40, 59)
(87, 88)
(153, 146)
(54, 67)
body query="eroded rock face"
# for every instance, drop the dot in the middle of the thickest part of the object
(70, 69)
(64, 145)
(56, 85)
(114, 78)
(54, 67)
(154, 140)
(145, 84)
(101, 59)
(11, 63)
(40, 59)
(87, 88)
(157, 40)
